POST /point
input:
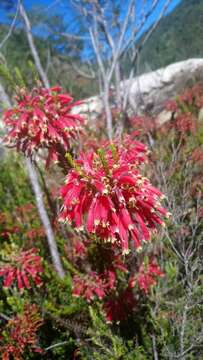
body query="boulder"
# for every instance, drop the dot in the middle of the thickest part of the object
(149, 92)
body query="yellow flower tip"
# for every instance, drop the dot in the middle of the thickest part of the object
(104, 224)
(96, 222)
(139, 249)
(162, 197)
(126, 251)
(130, 227)
(79, 228)
(113, 240)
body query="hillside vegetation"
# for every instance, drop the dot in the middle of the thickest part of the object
(178, 37)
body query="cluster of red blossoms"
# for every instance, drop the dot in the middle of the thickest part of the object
(106, 195)
(190, 100)
(185, 109)
(22, 267)
(147, 275)
(144, 124)
(42, 119)
(197, 155)
(94, 285)
(103, 286)
(20, 333)
(185, 123)
(119, 306)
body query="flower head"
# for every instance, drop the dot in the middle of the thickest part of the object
(197, 155)
(144, 124)
(119, 308)
(20, 334)
(42, 119)
(147, 275)
(106, 194)
(22, 267)
(93, 285)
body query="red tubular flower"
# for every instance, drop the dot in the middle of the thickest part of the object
(119, 308)
(79, 249)
(35, 233)
(106, 194)
(147, 275)
(20, 334)
(185, 123)
(171, 105)
(93, 285)
(144, 124)
(22, 267)
(6, 232)
(43, 120)
(197, 155)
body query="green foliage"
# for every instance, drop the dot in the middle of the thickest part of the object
(14, 185)
(108, 346)
(178, 37)
(17, 53)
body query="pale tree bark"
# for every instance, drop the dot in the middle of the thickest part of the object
(4, 97)
(39, 202)
(44, 218)
(28, 31)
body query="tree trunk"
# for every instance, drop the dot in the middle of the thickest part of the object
(44, 218)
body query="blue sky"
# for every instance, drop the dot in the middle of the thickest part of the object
(45, 3)
(55, 6)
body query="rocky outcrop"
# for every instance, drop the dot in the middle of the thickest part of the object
(149, 91)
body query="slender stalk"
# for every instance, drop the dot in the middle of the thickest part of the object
(44, 218)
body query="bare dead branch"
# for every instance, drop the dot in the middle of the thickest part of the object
(78, 70)
(74, 37)
(56, 345)
(44, 218)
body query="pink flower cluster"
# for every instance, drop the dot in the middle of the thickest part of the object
(42, 119)
(185, 123)
(20, 334)
(93, 285)
(185, 110)
(22, 267)
(147, 275)
(106, 195)
(197, 155)
(144, 124)
(118, 308)
(117, 305)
